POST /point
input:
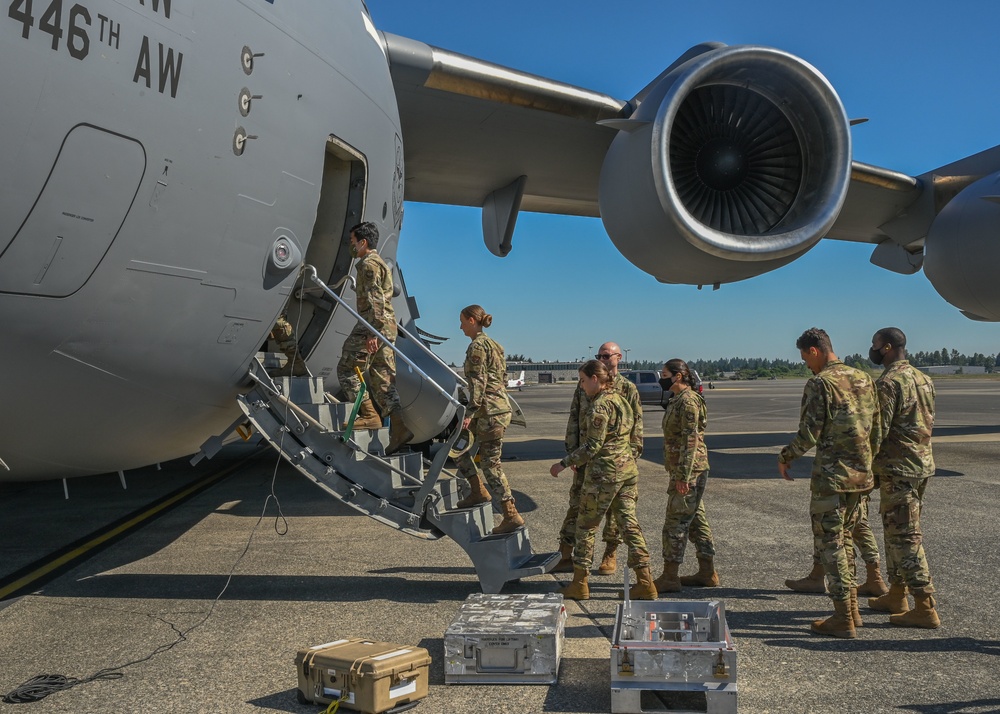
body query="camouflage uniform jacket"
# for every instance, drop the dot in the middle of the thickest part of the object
(838, 409)
(684, 453)
(374, 291)
(486, 372)
(606, 448)
(575, 427)
(906, 417)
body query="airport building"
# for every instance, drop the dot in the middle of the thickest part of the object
(947, 369)
(544, 372)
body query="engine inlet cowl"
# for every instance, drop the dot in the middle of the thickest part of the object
(736, 162)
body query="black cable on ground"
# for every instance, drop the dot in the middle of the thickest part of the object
(42, 685)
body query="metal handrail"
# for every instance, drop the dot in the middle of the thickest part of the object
(438, 464)
(309, 291)
(460, 378)
(311, 273)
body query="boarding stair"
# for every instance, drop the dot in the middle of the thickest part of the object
(315, 433)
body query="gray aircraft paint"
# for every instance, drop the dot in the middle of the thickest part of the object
(136, 224)
(155, 152)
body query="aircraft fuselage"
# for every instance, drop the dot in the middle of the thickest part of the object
(154, 152)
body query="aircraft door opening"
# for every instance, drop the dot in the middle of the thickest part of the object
(341, 205)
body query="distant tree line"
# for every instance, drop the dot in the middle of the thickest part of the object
(762, 368)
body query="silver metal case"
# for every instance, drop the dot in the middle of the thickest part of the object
(672, 646)
(516, 639)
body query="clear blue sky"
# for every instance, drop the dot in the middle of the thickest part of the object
(923, 72)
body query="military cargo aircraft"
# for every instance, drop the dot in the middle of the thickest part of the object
(170, 165)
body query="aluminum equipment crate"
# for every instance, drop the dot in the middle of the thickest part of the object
(498, 639)
(672, 646)
(371, 676)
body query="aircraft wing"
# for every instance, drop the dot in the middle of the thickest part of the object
(733, 162)
(471, 128)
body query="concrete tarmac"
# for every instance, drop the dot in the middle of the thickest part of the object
(210, 599)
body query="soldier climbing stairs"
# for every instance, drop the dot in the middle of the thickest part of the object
(312, 432)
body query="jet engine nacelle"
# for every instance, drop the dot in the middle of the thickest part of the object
(962, 250)
(736, 162)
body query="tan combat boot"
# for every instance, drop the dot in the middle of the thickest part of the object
(874, 585)
(812, 583)
(511, 518)
(923, 614)
(609, 563)
(477, 494)
(578, 589)
(367, 417)
(399, 435)
(706, 577)
(839, 624)
(565, 564)
(644, 589)
(855, 612)
(893, 602)
(668, 582)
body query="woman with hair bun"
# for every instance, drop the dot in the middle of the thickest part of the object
(487, 417)
(610, 483)
(686, 461)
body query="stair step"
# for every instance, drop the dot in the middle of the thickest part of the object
(302, 390)
(308, 429)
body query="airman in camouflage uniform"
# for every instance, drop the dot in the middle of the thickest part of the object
(902, 464)
(362, 349)
(488, 415)
(838, 406)
(867, 546)
(284, 336)
(610, 354)
(685, 458)
(610, 482)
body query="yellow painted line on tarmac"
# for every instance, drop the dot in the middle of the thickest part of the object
(77, 552)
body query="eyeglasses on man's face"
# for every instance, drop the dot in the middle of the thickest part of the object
(608, 355)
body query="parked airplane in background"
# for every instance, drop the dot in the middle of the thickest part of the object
(516, 383)
(169, 165)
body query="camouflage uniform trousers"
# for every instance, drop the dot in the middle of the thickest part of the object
(284, 335)
(864, 538)
(489, 438)
(606, 495)
(685, 518)
(902, 501)
(834, 517)
(381, 368)
(567, 534)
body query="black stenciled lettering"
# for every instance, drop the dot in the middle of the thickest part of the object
(51, 22)
(114, 34)
(78, 40)
(142, 64)
(169, 68)
(20, 11)
(156, 6)
(113, 31)
(168, 71)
